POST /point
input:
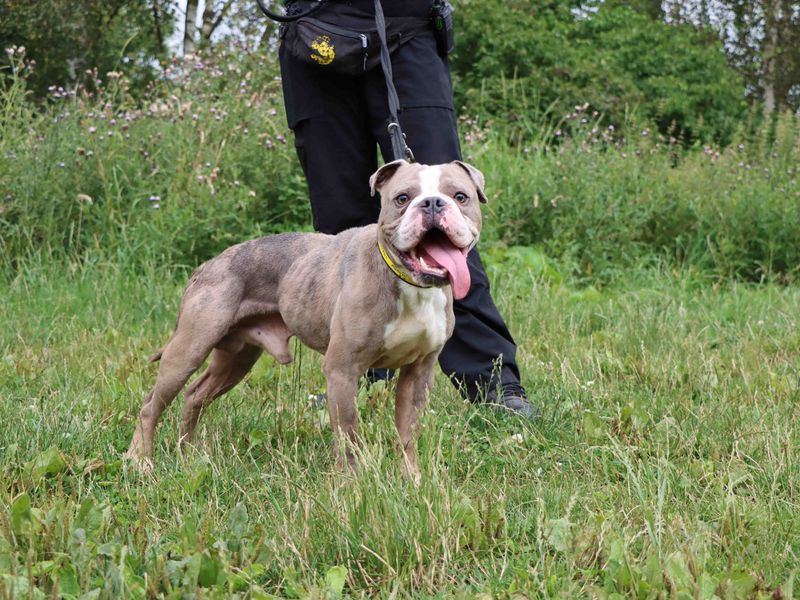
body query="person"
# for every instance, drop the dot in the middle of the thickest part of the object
(337, 122)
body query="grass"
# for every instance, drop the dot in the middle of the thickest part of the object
(206, 159)
(666, 463)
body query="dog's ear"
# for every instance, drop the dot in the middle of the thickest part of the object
(383, 175)
(477, 179)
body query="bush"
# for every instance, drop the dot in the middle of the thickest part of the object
(203, 163)
(77, 43)
(616, 59)
(601, 207)
(206, 163)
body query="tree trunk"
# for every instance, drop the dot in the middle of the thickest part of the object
(769, 52)
(157, 24)
(212, 20)
(270, 30)
(189, 27)
(208, 21)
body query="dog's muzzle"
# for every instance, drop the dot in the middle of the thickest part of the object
(437, 259)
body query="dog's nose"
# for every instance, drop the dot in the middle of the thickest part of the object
(433, 204)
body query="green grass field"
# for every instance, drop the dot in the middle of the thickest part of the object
(665, 466)
(652, 289)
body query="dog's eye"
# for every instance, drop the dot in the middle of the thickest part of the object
(401, 199)
(461, 197)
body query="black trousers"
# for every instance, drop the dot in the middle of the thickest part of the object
(337, 122)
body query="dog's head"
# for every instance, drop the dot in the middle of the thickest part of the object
(430, 219)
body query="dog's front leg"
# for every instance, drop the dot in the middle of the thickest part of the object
(342, 390)
(413, 386)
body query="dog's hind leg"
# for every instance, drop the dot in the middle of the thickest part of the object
(225, 370)
(182, 356)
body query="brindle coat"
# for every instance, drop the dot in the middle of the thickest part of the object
(337, 296)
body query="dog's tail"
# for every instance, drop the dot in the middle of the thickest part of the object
(157, 356)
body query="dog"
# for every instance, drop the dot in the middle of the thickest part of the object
(379, 296)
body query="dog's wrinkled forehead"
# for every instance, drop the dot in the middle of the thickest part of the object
(398, 171)
(401, 176)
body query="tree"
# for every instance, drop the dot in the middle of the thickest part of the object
(212, 18)
(77, 43)
(189, 26)
(761, 39)
(770, 54)
(213, 15)
(611, 56)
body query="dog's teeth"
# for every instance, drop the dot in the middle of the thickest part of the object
(423, 263)
(413, 254)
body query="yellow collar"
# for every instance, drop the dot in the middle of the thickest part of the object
(390, 263)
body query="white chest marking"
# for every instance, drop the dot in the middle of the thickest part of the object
(420, 326)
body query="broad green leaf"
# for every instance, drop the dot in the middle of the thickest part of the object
(593, 426)
(197, 479)
(175, 570)
(16, 586)
(740, 586)
(238, 522)
(255, 570)
(466, 516)
(335, 578)
(189, 532)
(192, 570)
(6, 556)
(558, 533)
(678, 572)
(616, 551)
(209, 571)
(257, 593)
(652, 569)
(49, 462)
(708, 586)
(21, 515)
(589, 295)
(43, 567)
(536, 262)
(67, 580)
(90, 518)
(256, 437)
(787, 589)
(294, 587)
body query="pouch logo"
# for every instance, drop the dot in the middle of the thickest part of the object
(322, 44)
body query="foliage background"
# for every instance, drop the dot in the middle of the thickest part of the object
(641, 239)
(618, 60)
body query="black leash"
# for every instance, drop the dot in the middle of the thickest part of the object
(398, 139)
(399, 147)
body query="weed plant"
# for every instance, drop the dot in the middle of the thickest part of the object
(666, 461)
(207, 161)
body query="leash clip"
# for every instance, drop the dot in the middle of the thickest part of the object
(398, 139)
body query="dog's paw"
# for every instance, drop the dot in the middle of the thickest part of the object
(411, 472)
(141, 464)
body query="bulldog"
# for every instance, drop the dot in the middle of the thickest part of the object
(379, 296)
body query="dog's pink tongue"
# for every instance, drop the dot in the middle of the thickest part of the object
(451, 258)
